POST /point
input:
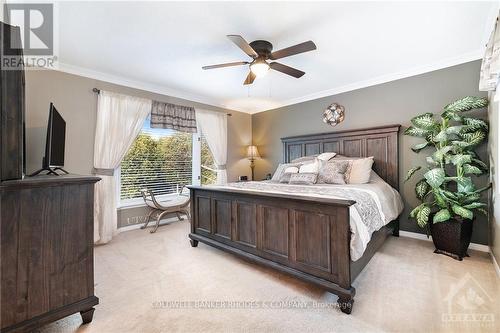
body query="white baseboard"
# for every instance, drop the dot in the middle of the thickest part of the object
(472, 246)
(151, 224)
(495, 263)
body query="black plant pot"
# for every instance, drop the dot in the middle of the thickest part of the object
(452, 238)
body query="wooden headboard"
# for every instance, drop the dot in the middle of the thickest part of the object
(379, 142)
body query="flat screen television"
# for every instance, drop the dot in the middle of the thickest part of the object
(54, 144)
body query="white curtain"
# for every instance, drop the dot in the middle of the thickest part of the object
(490, 67)
(119, 121)
(213, 126)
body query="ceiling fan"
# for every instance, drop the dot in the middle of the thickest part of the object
(261, 51)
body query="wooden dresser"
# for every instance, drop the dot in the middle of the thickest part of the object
(47, 232)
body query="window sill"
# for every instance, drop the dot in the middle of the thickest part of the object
(131, 203)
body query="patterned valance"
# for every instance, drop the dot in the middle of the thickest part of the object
(176, 117)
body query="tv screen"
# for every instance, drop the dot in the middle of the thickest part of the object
(56, 137)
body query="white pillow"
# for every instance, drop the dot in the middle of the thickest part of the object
(310, 167)
(292, 169)
(280, 170)
(360, 170)
(326, 156)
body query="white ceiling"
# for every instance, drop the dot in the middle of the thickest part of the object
(161, 46)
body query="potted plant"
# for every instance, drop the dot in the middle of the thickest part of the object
(449, 198)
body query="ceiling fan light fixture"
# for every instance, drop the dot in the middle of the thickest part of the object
(259, 68)
(261, 51)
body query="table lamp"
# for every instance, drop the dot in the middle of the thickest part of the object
(252, 155)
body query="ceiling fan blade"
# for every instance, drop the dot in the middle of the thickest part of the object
(292, 50)
(250, 78)
(229, 64)
(286, 69)
(242, 44)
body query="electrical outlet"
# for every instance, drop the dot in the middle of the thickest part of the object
(135, 220)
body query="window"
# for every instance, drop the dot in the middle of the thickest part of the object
(164, 160)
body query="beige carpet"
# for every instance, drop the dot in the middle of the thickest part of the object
(140, 276)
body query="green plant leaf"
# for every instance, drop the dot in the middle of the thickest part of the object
(483, 211)
(441, 200)
(483, 166)
(454, 129)
(419, 147)
(421, 189)
(415, 210)
(424, 121)
(484, 188)
(440, 137)
(440, 154)
(411, 172)
(461, 159)
(471, 169)
(467, 103)
(460, 144)
(465, 185)
(418, 132)
(431, 160)
(471, 197)
(475, 205)
(435, 177)
(441, 216)
(423, 216)
(474, 138)
(449, 194)
(474, 124)
(451, 115)
(463, 212)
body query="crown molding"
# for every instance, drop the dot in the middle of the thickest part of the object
(120, 80)
(123, 81)
(476, 55)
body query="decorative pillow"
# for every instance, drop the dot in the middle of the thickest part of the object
(285, 178)
(280, 170)
(310, 167)
(333, 172)
(311, 158)
(303, 178)
(292, 169)
(359, 169)
(304, 159)
(326, 156)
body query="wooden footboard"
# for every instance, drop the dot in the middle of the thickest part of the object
(308, 238)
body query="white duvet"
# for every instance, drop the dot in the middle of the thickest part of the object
(382, 204)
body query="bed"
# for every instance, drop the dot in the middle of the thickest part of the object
(310, 232)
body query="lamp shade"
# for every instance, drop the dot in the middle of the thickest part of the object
(259, 68)
(252, 152)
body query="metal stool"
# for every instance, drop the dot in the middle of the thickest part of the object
(178, 204)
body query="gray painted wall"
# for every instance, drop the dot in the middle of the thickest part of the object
(76, 102)
(395, 102)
